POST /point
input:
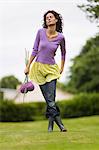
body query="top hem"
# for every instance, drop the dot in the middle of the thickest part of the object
(45, 62)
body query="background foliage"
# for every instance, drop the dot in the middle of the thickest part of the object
(85, 70)
(91, 9)
(9, 82)
(80, 105)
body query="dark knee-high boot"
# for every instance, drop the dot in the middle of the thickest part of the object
(60, 124)
(50, 124)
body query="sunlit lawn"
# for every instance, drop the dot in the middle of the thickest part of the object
(83, 134)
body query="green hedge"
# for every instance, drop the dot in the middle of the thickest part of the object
(1, 95)
(80, 105)
(9, 111)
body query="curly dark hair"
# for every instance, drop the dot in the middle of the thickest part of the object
(59, 23)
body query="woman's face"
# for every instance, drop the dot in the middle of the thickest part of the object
(50, 19)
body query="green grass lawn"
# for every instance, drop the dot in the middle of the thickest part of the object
(83, 134)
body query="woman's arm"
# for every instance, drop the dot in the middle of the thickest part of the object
(63, 54)
(34, 52)
(62, 65)
(26, 71)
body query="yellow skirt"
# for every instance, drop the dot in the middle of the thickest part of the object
(41, 73)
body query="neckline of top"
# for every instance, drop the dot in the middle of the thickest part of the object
(52, 39)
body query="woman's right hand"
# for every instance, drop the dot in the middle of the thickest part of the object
(26, 71)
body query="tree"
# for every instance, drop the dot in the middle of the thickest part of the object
(9, 82)
(92, 9)
(85, 70)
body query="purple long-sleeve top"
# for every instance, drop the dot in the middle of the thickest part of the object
(45, 49)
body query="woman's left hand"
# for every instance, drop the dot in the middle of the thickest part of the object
(61, 70)
(62, 66)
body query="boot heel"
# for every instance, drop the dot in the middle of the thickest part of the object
(60, 124)
(63, 130)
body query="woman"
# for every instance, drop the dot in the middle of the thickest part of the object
(44, 71)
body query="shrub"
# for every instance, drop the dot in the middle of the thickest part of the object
(9, 111)
(1, 95)
(80, 105)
